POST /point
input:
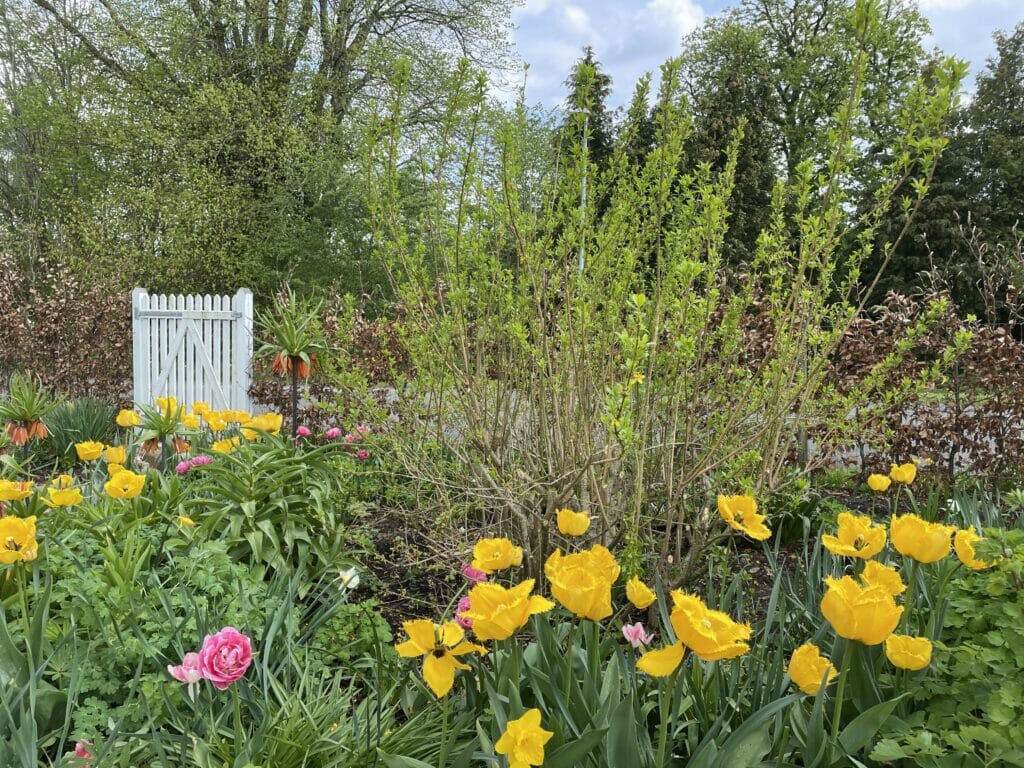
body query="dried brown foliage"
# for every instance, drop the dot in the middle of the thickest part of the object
(77, 338)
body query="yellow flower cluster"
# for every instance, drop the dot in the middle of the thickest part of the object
(582, 582)
(17, 539)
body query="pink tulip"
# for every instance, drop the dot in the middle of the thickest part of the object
(473, 574)
(460, 609)
(188, 672)
(333, 433)
(362, 454)
(82, 750)
(183, 467)
(636, 635)
(303, 431)
(224, 657)
(202, 461)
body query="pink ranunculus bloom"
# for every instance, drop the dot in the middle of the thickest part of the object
(188, 672)
(350, 438)
(82, 750)
(473, 574)
(224, 657)
(363, 429)
(460, 609)
(183, 467)
(333, 433)
(202, 461)
(636, 635)
(362, 454)
(303, 431)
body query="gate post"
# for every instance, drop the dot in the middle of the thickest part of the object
(241, 375)
(140, 348)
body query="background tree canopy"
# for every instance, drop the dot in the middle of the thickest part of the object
(194, 145)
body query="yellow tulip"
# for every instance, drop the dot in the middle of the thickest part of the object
(124, 485)
(90, 450)
(572, 523)
(498, 613)
(190, 421)
(492, 555)
(200, 408)
(879, 483)
(115, 454)
(17, 539)
(168, 405)
(639, 594)
(710, 634)
(963, 543)
(907, 652)
(523, 741)
(857, 537)
(440, 646)
(916, 538)
(63, 481)
(885, 576)
(266, 422)
(663, 661)
(868, 614)
(184, 521)
(582, 582)
(63, 497)
(127, 418)
(808, 669)
(216, 423)
(113, 469)
(740, 512)
(903, 473)
(227, 445)
(14, 491)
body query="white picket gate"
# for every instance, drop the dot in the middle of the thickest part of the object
(193, 348)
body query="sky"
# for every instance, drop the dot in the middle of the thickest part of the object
(631, 37)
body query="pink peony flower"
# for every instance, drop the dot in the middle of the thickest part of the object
(636, 635)
(224, 657)
(350, 438)
(333, 433)
(189, 672)
(202, 461)
(460, 609)
(363, 429)
(362, 454)
(82, 750)
(473, 574)
(303, 431)
(183, 467)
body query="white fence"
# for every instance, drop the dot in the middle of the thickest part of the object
(193, 348)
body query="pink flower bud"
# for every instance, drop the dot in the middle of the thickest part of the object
(473, 574)
(460, 609)
(636, 635)
(202, 461)
(363, 429)
(362, 454)
(82, 750)
(224, 657)
(183, 467)
(350, 438)
(333, 433)
(303, 431)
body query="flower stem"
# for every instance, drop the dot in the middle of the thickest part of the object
(844, 673)
(443, 757)
(665, 698)
(911, 598)
(569, 659)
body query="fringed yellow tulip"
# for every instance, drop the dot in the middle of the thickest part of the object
(124, 485)
(740, 512)
(492, 555)
(963, 543)
(885, 576)
(918, 539)
(663, 661)
(17, 539)
(857, 537)
(903, 473)
(582, 582)
(440, 646)
(572, 523)
(90, 450)
(808, 669)
(710, 634)
(639, 594)
(868, 614)
(523, 741)
(907, 652)
(879, 483)
(498, 613)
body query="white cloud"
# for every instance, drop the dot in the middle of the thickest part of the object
(961, 5)
(679, 16)
(577, 20)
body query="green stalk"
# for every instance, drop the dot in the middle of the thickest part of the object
(443, 757)
(844, 673)
(665, 701)
(911, 597)
(568, 659)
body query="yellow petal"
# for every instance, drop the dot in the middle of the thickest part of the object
(662, 662)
